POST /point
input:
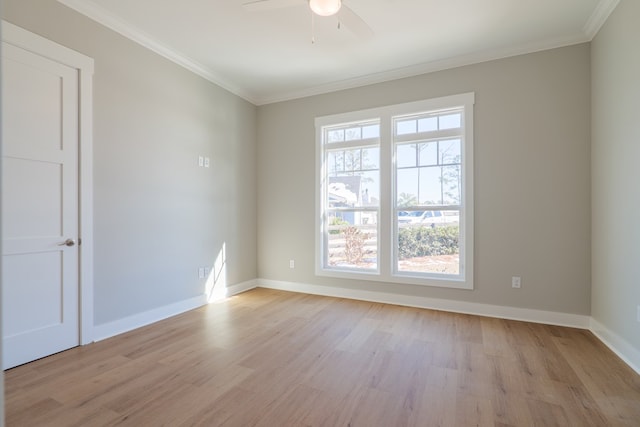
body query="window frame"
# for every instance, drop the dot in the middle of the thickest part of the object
(387, 238)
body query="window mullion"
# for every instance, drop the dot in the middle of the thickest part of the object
(387, 194)
(350, 145)
(428, 136)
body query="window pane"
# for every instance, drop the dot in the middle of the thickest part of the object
(354, 133)
(431, 245)
(340, 192)
(335, 136)
(352, 240)
(407, 187)
(336, 162)
(353, 178)
(428, 124)
(450, 121)
(430, 186)
(450, 151)
(369, 189)
(428, 154)
(372, 131)
(354, 190)
(371, 158)
(353, 160)
(406, 127)
(406, 155)
(451, 185)
(357, 159)
(439, 185)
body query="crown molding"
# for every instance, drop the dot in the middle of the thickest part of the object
(599, 17)
(120, 26)
(425, 68)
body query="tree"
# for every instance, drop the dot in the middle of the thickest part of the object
(451, 181)
(352, 162)
(406, 200)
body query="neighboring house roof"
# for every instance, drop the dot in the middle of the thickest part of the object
(344, 189)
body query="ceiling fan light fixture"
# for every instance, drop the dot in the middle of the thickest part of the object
(325, 7)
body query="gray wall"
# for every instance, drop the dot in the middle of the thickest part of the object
(616, 173)
(158, 216)
(532, 167)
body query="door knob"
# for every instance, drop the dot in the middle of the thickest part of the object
(68, 242)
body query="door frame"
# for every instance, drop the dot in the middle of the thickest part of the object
(19, 37)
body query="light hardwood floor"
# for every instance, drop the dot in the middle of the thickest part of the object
(270, 358)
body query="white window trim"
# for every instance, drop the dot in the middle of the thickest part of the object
(386, 253)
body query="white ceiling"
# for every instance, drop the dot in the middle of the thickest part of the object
(267, 56)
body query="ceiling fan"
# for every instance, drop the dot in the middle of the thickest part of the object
(346, 15)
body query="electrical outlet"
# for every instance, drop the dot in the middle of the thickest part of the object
(207, 270)
(292, 263)
(200, 161)
(201, 272)
(516, 282)
(207, 162)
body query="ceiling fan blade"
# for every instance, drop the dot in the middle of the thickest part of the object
(258, 5)
(354, 23)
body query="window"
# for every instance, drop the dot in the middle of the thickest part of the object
(351, 195)
(395, 193)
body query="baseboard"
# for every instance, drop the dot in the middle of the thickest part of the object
(487, 310)
(120, 326)
(621, 347)
(232, 290)
(624, 350)
(627, 353)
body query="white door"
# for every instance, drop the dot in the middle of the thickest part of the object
(40, 304)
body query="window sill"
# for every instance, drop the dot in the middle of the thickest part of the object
(439, 281)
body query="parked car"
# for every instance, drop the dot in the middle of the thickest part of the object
(409, 217)
(431, 218)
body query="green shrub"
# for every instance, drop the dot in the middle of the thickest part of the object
(427, 241)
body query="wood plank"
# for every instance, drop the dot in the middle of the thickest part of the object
(267, 358)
